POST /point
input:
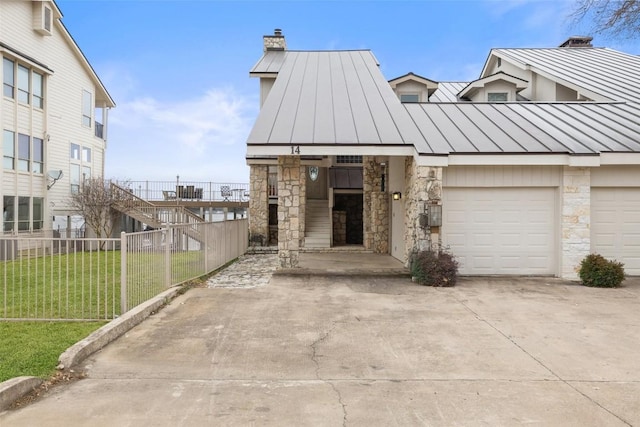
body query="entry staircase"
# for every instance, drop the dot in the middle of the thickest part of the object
(152, 215)
(317, 225)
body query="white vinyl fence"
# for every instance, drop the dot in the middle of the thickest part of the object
(44, 278)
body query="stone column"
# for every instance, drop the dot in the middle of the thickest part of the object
(375, 217)
(423, 186)
(289, 210)
(258, 205)
(576, 218)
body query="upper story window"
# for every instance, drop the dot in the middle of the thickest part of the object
(29, 83)
(23, 84)
(80, 167)
(37, 83)
(349, 159)
(409, 97)
(86, 108)
(9, 77)
(75, 152)
(497, 97)
(23, 153)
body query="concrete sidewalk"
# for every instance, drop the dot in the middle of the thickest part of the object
(347, 350)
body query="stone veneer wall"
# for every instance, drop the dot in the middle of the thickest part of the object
(576, 218)
(423, 185)
(376, 207)
(258, 205)
(289, 234)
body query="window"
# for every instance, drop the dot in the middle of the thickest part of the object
(24, 152)
(23, 213)
(86, 108)
(75, 179)
(86, 154)
(38, 155)
(38, 213)
(75, 151)
(409, 97)
(9, 79)
(349, 159)
(497, 97)
(9, 152)
(38, 90)
(23, 84)
(8, 212)
(86, 173)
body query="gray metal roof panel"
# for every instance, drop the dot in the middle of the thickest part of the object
(447, 91)
(612, 74)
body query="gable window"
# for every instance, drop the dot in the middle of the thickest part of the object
(497, 97)
(23, 84)
(409, 97)
(9, 153)
(9, 79)
(47, 19)
(86, 108)
(38, 90)
(24, 152)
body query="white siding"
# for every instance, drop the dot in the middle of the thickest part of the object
(502, 176)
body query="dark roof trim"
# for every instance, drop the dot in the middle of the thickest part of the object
(25, 57)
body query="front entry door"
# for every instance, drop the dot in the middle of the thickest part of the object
(316, 182)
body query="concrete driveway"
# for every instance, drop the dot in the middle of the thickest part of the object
(357, 351)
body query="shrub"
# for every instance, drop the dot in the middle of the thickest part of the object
(599, 272)
(431, 268)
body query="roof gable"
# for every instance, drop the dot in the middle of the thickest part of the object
(500, 76)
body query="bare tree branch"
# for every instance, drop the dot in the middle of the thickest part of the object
(100, 205)
(616, 18)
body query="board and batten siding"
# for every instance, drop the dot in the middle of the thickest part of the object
(502, 176)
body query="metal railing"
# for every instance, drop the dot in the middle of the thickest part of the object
(44, 278)
(189, 190)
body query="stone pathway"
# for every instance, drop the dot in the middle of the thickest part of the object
(250, 271)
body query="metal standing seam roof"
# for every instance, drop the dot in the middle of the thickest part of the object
(612, 74)
(327, 98)
(341, 98)
(518, 128)
(447, 91)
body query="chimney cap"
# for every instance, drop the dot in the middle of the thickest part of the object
(277, 32)
(578, 41)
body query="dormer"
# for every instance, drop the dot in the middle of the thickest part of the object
(44, 12)
(498, 87)
(413, 88)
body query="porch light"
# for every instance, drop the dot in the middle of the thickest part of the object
(434, 216)
(397, 195)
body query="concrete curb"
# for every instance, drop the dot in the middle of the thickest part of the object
(403, 272)
(15, 388)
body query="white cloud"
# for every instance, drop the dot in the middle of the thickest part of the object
(201, 138)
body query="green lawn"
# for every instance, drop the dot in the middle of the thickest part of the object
(86, 285)
(33, 348)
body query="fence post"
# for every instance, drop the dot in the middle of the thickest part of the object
(205, 240)
(123, 273)
(167, 256)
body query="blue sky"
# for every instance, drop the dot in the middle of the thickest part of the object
(179, 69)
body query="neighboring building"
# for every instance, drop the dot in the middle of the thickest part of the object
(53, 114)
(524, 171)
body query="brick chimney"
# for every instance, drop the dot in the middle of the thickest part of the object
(275, 41)
(578, 41)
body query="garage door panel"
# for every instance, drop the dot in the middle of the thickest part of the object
(615, 225)
(508, 230)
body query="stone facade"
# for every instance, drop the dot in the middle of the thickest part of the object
(258, 206)
(376, 207)
(275, 41)
(423, 186)
(576, 217)
(289, 212)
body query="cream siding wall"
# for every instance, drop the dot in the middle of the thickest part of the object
(615, 176)
(502, 176)
(412, 87)
(62, 119)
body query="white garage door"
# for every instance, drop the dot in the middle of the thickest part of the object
(501, 230)
(615, 225)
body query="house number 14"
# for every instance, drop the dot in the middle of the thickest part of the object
(295, 149)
